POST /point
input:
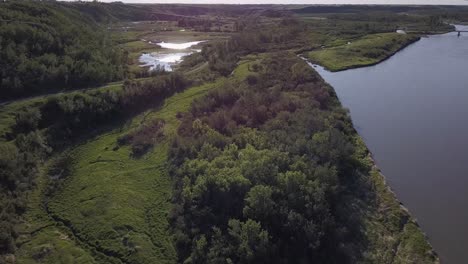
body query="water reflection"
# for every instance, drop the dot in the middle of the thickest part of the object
(171, 55)
(178, 46)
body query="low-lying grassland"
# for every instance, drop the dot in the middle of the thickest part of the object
(41, 238)
(365, 51)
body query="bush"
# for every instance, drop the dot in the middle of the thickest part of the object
(27, 120)
(144, 137)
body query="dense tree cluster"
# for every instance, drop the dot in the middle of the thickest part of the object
(46, 46)
(260, 170)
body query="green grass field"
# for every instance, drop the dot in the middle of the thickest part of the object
(364, 51)
(42, 239)
(116, 203)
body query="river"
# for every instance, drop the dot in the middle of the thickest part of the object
(412, 112)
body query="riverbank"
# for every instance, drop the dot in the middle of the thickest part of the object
(392, 233)
(401, 112)
(366, 51)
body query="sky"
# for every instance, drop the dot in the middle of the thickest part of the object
(407, 2)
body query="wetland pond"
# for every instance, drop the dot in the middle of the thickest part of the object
(169, 55)
(412, 112)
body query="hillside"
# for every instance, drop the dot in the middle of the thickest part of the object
(47, 47)
(242, 154)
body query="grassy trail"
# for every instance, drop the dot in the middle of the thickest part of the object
(40, 235)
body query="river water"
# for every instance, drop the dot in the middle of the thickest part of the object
(412, 111)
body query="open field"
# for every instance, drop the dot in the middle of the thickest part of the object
(364, 51)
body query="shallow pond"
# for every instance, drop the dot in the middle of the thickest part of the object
(412, 111)
(170, 55)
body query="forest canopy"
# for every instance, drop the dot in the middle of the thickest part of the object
(46, 46)
(261, 168)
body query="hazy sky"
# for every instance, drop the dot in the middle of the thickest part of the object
(419, 2)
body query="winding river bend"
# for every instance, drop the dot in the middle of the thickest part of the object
(412, 111)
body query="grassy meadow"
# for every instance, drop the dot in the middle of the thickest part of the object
(364, 51)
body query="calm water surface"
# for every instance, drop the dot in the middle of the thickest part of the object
(412, 111)
(170, 55)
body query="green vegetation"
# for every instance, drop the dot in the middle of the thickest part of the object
(48, 47)
(356, 36)
(100, 163)
(9, 111)
(393, 235)
(52, 123)
(135, 48)
(351, 20)
(243, 155)
(268, 169)
(115, 202)
(42, 237)
(365, 51)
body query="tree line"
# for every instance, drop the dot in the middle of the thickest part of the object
(48, 46)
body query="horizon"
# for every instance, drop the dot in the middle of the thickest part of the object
(295, 2)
